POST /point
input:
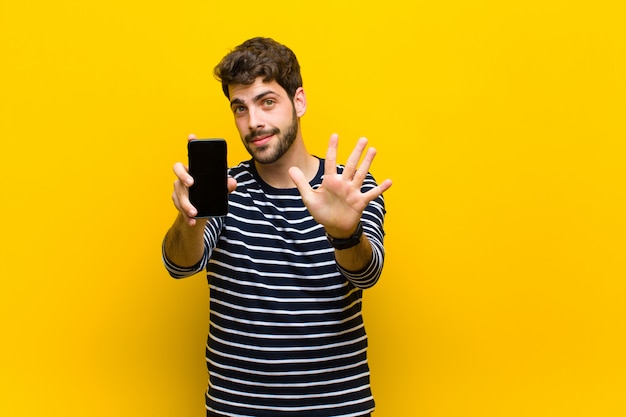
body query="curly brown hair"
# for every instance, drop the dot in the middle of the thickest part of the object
(260, 57)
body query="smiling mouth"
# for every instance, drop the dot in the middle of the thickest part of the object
(261, 138)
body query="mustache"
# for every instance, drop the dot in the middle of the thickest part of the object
(251, 136)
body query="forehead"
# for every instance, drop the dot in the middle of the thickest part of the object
(248, 92)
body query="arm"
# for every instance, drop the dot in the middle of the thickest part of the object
(340, 203)
(370, 245)
(184, 248)
(184, 244)
(355, 258)
(368, 275)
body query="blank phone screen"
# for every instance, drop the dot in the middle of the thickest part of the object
(208, 167)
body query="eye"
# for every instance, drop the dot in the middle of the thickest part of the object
(239, 109)
(268, 102)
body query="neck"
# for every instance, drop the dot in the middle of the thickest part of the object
(276, 174)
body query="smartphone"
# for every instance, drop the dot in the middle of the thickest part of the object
(209, 169)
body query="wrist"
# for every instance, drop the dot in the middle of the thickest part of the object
(185, 221)
(340, 242)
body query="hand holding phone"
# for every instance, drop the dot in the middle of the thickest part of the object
(209, 170)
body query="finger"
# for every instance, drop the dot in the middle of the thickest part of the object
(361, 172)
(376, 192)
(189, 219)
(181, 200)
(191, 136)
(183, 174)
(354, 158)
(231, 184)
(330, 163)
(300, 181)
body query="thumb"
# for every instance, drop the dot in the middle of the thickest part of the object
(300, 181)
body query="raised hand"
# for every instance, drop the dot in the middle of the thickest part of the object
(339, 202)
(180, 195)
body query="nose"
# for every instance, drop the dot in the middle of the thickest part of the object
(255, 121)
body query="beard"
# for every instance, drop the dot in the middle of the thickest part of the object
(272, 152)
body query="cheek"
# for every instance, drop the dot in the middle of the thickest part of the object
(241, 124)
(284, 118)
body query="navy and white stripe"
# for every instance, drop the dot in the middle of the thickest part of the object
(286, 335)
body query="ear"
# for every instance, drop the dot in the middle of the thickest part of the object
(299, 102)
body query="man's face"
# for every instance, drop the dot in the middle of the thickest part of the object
(266, 119)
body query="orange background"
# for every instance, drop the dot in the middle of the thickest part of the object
(501, 124)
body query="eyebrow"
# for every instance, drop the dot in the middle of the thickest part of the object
(255, 98)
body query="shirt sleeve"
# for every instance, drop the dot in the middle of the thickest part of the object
(212, 231)
(373, 220)
(369, 275)
(177, 271)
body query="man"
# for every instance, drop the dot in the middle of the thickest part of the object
(287, 265)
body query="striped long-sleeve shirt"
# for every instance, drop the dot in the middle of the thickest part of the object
(286, 335)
